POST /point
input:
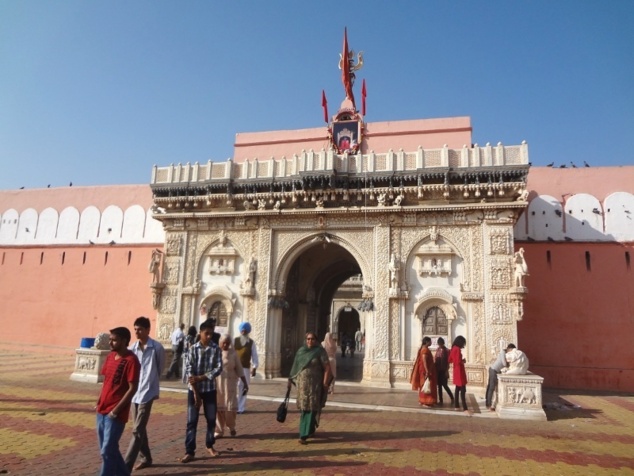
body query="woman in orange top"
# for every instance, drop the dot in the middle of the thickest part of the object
(424, 368)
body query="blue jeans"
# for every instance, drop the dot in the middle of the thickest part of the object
(109, 431)
(209, 407)
(493, 381)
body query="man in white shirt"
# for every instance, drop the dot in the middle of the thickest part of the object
(178, 342)
(248, 353)
(151, 355)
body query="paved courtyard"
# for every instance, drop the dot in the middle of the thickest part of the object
(47, 427)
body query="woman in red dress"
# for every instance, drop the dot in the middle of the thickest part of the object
(424, 368)
(459, 373)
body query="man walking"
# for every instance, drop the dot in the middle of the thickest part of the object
(495, 368)
(178, 343)
(121, 378)
(248, 353)
(358, 337)
(151, 355)
(203, 366)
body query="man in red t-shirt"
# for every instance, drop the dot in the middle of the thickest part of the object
(121, 379)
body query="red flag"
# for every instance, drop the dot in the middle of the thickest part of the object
(363, 95)
(324, 104)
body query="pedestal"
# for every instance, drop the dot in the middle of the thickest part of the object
(520, 397)
(88, 364)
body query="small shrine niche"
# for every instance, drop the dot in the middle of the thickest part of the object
(222, 260)
(434, 260)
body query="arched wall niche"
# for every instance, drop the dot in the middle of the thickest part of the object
(429, 289)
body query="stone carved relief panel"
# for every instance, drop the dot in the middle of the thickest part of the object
(401, 371)
(500, 242)
(477, 255)
(171, 271)
(499, 338)
(165, 328)
(522, 394)
(168, 304)
(395, 337)
(385, 322)
(173, 245)
(479, 337)
(500, 273)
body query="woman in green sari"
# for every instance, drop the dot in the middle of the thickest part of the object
(311, 373)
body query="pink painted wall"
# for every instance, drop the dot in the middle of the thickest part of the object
(578, 322)
(54, 304)
(379, 137)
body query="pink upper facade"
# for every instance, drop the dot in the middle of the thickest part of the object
(379, 137)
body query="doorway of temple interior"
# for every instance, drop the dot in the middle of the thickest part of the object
(312, 282)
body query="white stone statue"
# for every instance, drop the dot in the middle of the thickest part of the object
(394, 267)
(250, 279)
(518, 363)
(398, 200)
(521, 269)
(261, 204)
(381, 199)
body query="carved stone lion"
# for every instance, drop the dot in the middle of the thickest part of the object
(102, 341)
(518, 363)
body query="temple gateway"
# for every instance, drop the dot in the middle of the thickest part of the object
(409, 221)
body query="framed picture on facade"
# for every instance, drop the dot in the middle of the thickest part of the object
(346, 136)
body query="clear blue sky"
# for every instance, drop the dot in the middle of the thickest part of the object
(97, 92)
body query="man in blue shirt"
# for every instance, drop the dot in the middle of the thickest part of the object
(203, 366)
(151, 355)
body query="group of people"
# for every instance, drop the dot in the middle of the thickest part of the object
(349, 345)
(430, 374)
(217, 371)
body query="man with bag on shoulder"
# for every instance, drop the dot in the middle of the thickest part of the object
(424, 378)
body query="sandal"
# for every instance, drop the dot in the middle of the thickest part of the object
(187, 458)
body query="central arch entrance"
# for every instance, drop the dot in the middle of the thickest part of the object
(313, 280)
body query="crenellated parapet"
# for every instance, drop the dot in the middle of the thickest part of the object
(323, 180)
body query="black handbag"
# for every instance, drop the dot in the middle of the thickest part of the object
(283, 408)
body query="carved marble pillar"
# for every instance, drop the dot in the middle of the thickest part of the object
(271, 358)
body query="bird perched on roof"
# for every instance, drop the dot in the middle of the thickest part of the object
(550, 165)
(573, 165)
(562, 166)
(586, 164)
